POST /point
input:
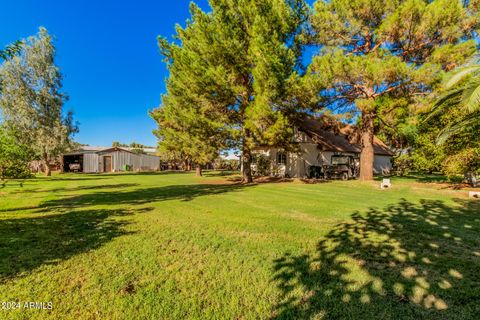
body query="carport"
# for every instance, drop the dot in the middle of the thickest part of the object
(73, 163)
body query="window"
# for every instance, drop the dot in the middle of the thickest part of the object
(281, 158)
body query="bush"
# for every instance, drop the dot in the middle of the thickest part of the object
(229, 165)
(14, 158)
(468, 160)
(403, 164)
(263, 165)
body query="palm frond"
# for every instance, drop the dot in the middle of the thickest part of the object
(471, 96)
(448, 100)
(461, 75)
(445, 134)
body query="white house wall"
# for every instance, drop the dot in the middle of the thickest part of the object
(298, 165)
(382, 165)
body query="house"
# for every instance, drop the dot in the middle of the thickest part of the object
(318, 142)
(108, 159)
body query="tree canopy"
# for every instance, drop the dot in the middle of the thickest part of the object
(31, 100)
(380, 58)
(232, 74)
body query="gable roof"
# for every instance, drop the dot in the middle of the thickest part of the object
(95, 149)
(339, 138)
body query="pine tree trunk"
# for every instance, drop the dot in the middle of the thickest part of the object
(247, 166)
(198, 170)
(47, 171)
(367, 155)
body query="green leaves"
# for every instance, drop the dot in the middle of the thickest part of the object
(462, 91)
(460, 75)
(381, 57)
(31, 100)
(11, 50)
(14, 157)
(232, 74)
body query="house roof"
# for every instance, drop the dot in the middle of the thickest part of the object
(339, 138)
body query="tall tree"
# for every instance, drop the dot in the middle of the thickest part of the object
(242, 58)
(186, 132)
(31, 100)
(381, 56)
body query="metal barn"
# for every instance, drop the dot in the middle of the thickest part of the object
(98, 160)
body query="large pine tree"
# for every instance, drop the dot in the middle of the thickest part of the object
(232, 69)
(382, 55)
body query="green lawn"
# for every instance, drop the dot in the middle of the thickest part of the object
(171, 246)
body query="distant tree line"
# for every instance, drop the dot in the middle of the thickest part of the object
(134, 147)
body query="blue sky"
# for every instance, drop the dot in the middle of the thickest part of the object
(108, 54)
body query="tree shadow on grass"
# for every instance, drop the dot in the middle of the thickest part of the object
(219, 173)
(72, 178)
(82, 188)
(408, 261)
(425, 178)
(133, 197)
(28, 243)
(145, 195)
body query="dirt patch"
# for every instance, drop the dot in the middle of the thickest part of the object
(272, 180)
(257, 180)
(128, 289)
(457, 186)
(314, 181)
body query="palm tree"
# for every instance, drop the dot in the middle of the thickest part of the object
(462, 90)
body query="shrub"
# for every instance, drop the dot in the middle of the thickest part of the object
(263, 165)
(468, 160)
(14, 158)
(403, 164)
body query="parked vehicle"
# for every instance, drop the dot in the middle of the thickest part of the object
(75, 167)
(342, 167)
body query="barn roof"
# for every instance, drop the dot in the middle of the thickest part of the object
(96, 149)
(339, 138)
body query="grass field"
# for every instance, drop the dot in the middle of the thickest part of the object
(172, 246)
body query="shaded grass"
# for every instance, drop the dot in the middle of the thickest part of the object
(169, 246)
(27, 243)
(411, 261)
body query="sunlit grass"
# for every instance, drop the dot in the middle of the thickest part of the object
(169, 246)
